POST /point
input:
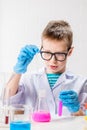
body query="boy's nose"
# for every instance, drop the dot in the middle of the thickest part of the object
(53, 58)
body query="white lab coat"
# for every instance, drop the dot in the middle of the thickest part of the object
(30, 84)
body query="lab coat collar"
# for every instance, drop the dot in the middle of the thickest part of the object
(66, 75)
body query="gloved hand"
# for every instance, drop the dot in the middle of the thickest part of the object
(24, 58)
(70, 100)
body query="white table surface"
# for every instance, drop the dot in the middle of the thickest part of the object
(71, 123)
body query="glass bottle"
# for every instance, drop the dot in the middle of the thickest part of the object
(85, 106)
(41, 113)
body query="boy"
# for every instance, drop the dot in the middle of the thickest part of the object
(58, 82)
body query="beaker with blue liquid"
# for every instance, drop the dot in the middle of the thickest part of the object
(20, 117)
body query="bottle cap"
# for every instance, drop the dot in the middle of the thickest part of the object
(85, 105)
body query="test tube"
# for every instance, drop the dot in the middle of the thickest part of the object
(60, 108)
(6, 103)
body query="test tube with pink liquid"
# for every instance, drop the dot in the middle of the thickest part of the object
(60, 106)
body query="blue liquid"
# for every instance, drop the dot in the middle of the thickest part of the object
(20, 125)
(86, 112)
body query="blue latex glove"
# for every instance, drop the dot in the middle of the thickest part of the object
(70, 100)
(24, 58)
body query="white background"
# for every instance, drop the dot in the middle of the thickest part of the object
(22, 22)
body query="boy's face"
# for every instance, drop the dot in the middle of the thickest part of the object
(52, 63)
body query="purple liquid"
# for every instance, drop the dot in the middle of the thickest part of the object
(60, 105)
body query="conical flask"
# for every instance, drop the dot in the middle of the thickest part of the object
(41, 113)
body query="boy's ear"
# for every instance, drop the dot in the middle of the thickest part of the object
(70, 51)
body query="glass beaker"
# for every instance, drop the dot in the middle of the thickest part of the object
(20, 112)
(20, 117)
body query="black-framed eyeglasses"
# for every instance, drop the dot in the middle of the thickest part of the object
(59, 56)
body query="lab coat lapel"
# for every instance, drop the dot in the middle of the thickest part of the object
(45, 85)
(61, 83)
(57, 88)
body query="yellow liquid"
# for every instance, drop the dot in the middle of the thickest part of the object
(85, 117)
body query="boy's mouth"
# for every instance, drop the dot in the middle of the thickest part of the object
(53, 67)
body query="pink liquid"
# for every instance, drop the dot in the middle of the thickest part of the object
(41, 116)
(60, 108)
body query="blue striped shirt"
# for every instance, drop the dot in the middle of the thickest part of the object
(52, 78)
